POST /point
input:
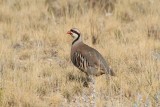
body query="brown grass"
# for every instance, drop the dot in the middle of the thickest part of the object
(35, 66)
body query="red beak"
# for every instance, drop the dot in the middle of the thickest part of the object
(69, 32)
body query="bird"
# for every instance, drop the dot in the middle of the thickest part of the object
(86, 58)
(89, 61)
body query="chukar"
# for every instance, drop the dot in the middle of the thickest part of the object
(86, 58)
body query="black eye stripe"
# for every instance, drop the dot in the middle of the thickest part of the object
(75, 32)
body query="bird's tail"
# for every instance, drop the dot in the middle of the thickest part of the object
(111, 72)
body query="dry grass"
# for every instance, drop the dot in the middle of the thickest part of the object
(35, 66)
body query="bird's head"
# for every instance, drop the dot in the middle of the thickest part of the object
(74, 32)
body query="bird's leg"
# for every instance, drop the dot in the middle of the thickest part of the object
(93, 92)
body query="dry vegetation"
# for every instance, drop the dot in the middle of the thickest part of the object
(35, 66)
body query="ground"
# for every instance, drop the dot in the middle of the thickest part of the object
(35, 65)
